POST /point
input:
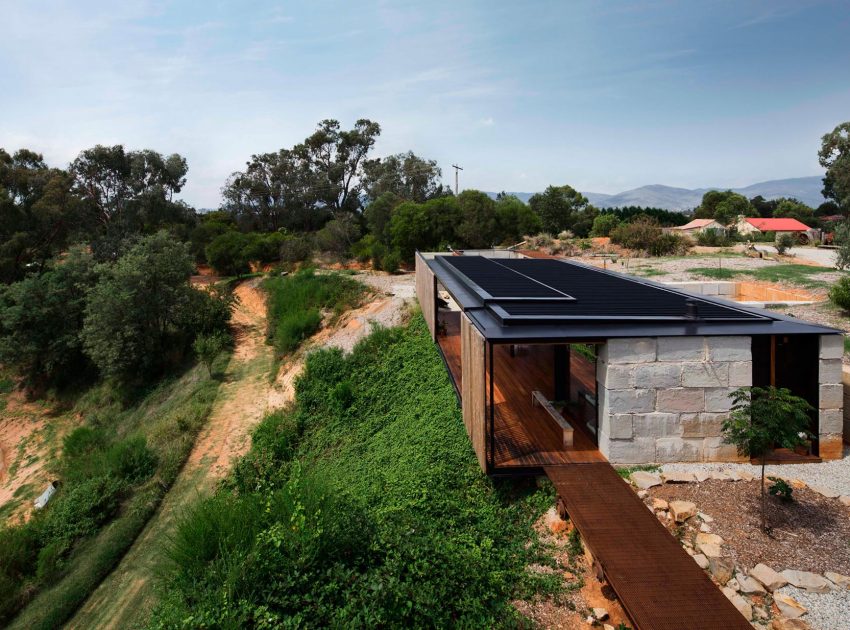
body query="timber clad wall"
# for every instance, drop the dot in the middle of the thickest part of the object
(473, 397)
(425, 286)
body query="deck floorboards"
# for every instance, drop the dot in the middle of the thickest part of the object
(659, 585)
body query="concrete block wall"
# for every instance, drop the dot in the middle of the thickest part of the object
(831, 421)
(664, 399)
(722, 288)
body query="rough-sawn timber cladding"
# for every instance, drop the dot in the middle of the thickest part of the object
(473, 391)
(425, 285)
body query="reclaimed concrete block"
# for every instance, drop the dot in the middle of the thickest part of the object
(830, 446)
(681, 399)
(655, 425)
(727, 289)
(616, 376)
(700, 425)
(676, 449)
(830, 421)
(714, 449)
(829, 371)
(681, 348)
(657, 375)
(705, 374)
(831, 346)
(718, 399)
(630, 400)
(831, 396)
(729, 348)
(621, 427)
(740, 374)
(632, 350)
(710, 288)
(636, 451)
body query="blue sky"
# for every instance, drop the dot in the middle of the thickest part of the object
(604, 96)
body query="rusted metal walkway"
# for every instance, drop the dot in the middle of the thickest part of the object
(658, 584)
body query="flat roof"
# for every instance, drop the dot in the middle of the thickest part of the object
(514, 299)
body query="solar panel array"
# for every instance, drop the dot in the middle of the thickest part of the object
(520, 290)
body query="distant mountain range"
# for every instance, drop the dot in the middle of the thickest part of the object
(806, 189)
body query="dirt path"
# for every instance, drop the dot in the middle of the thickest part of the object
(126, 594)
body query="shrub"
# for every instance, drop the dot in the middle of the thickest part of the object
(713, 238)
(604, 224)
(79, 511)
(209, 347)
(131, 460)
(645, 234)
(391, 261)
(296, 249)
(295, 302)
(784, 243)
(228, 253)
(839, 294)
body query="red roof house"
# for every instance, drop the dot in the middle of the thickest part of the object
(775, 225)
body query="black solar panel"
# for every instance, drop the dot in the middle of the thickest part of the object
(561, 290)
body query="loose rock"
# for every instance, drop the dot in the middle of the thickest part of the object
(749, 585)
(719, 476)
(702, 475)
(659, 504)
(722, 570)
(554, 522)
(682, 510)
(600, 614)
(701, 560)
(811, 582)
(645, 480)
(744, 607)
(841, 581)
(829, 493)
(678, 477)
(845, 500)
(767, 576)
(712, 551)
(704, 528)
(789, 624)
(705, 517)
(789, 606)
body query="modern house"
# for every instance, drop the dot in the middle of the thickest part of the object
(557, 362)
(753, 225)
(698, 226)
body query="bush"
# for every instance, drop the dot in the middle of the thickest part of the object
(839, 294)
(784, 243)
(296, 249)
(295, 303)
(391, 261)
(604, 224)
(209, 347)
(228, 253)
(645, 234)
(131, 460)
(713, 238)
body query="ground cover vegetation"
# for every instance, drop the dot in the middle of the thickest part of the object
(114, 470)
(357, 506)
(296, 303)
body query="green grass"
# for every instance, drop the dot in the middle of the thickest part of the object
(295, 304)
(791, 273)
(168, 417)
(846, 344)
(714, 273)
(360, 505)
(648, 272)
(626, 471)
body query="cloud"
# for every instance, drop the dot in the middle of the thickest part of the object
(487, 122)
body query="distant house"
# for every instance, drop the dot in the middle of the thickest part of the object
(698, 226)
(752, 226)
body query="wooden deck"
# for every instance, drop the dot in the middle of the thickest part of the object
(525, 435)
(659, 585)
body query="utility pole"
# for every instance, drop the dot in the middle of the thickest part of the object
(456, 168)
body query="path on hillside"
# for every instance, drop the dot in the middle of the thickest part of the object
(126, 595)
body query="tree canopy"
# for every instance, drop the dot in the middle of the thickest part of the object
(834, 156)
(563, 208)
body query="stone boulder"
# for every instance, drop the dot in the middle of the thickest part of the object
(701, 560)
(767, 576)
(682, 510)
(788, 606)
(829, 493)
(811, 582)
(780, 623)
(645, 480)
(659, 504)
(709, 544)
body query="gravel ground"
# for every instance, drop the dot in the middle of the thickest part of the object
(827, 611)
(833, 474)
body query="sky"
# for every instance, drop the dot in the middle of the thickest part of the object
(604, 96)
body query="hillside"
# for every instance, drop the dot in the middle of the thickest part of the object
(806, 189)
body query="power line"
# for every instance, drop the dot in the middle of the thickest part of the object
(456, 168)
